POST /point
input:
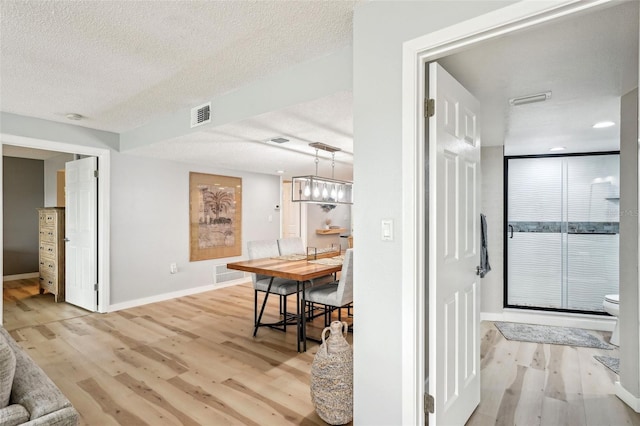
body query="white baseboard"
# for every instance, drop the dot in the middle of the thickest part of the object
(173, 295)
(21, 276)
(564, 319)
(626, 396)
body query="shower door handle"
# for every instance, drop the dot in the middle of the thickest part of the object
(511, 228)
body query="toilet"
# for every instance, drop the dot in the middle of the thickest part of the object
(611, 306)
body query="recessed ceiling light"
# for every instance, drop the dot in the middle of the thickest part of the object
(74, 116)
(529, 99)
(280, 172)
(557, 148)
(603, 124)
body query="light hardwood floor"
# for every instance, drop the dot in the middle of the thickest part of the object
(539, 384)
(24, 306)
(193, 361)
(189, 361)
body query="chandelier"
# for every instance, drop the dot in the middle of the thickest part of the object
(316, 189)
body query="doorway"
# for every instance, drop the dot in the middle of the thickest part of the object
(416, 53)
(33, 246)
(104, 157)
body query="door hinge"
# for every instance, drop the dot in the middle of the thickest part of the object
(95, 173)
(428, 404)
(95, 287)
(429, 107)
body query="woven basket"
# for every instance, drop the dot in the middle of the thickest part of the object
(332, 376)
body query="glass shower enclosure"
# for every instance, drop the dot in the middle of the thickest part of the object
(562, 227)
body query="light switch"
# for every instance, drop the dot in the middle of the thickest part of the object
(387, 230)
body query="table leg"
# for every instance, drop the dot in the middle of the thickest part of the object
(264, 303)
(300, 319)
(304, 320)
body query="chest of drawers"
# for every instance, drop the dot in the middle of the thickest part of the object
(51, 251)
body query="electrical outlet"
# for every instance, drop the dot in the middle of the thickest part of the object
(173, 268)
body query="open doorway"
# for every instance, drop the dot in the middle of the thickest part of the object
(36, 265)
(440, 46)
(100, 279)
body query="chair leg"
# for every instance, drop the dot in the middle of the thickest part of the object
(255, 308)
(284, 314)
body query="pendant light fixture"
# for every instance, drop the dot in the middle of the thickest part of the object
(316, 189)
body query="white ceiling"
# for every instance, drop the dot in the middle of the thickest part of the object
(587, 61)
(123, 64)
(245, 145)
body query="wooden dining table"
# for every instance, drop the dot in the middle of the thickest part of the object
(302, 271)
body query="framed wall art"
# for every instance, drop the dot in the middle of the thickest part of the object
(215, 216)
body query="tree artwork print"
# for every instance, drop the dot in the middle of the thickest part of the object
(215, 216)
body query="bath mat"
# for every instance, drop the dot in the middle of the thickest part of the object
(612, 363)
(552, 335)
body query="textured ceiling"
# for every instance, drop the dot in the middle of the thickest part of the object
(126, 63)
(123, 63)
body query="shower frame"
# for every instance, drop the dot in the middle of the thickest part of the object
(506, 232)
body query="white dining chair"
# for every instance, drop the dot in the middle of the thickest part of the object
(271, 285)
(334, 295)
(291, 245)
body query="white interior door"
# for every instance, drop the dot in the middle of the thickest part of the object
(290, 213)
(81, 190)
(454, 252)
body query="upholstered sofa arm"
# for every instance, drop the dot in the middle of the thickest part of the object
(35, 391)
(67, 416)
(13, 415)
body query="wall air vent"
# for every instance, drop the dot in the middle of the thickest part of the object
(224, 275)
(201, 115)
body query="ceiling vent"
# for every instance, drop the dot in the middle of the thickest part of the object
(279, 140)
(529, 99)
(201, 115)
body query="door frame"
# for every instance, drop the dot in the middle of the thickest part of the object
(415, 54)
(104, 219)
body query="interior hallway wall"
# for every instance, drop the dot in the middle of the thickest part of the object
(23, 193)
(149, 208)
(51, 167)
(150, 225)
(492, 285)
(629, 279)
(380, 28)
(316, 217)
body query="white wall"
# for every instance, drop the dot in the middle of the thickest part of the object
(150, 225)
(492, 293)
(629, 293)
(339, 216)
(51, 167)
(149, 211)
(380, 28)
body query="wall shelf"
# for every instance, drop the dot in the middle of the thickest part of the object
(331, 231)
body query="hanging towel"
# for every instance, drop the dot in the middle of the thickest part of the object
(484, 253)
